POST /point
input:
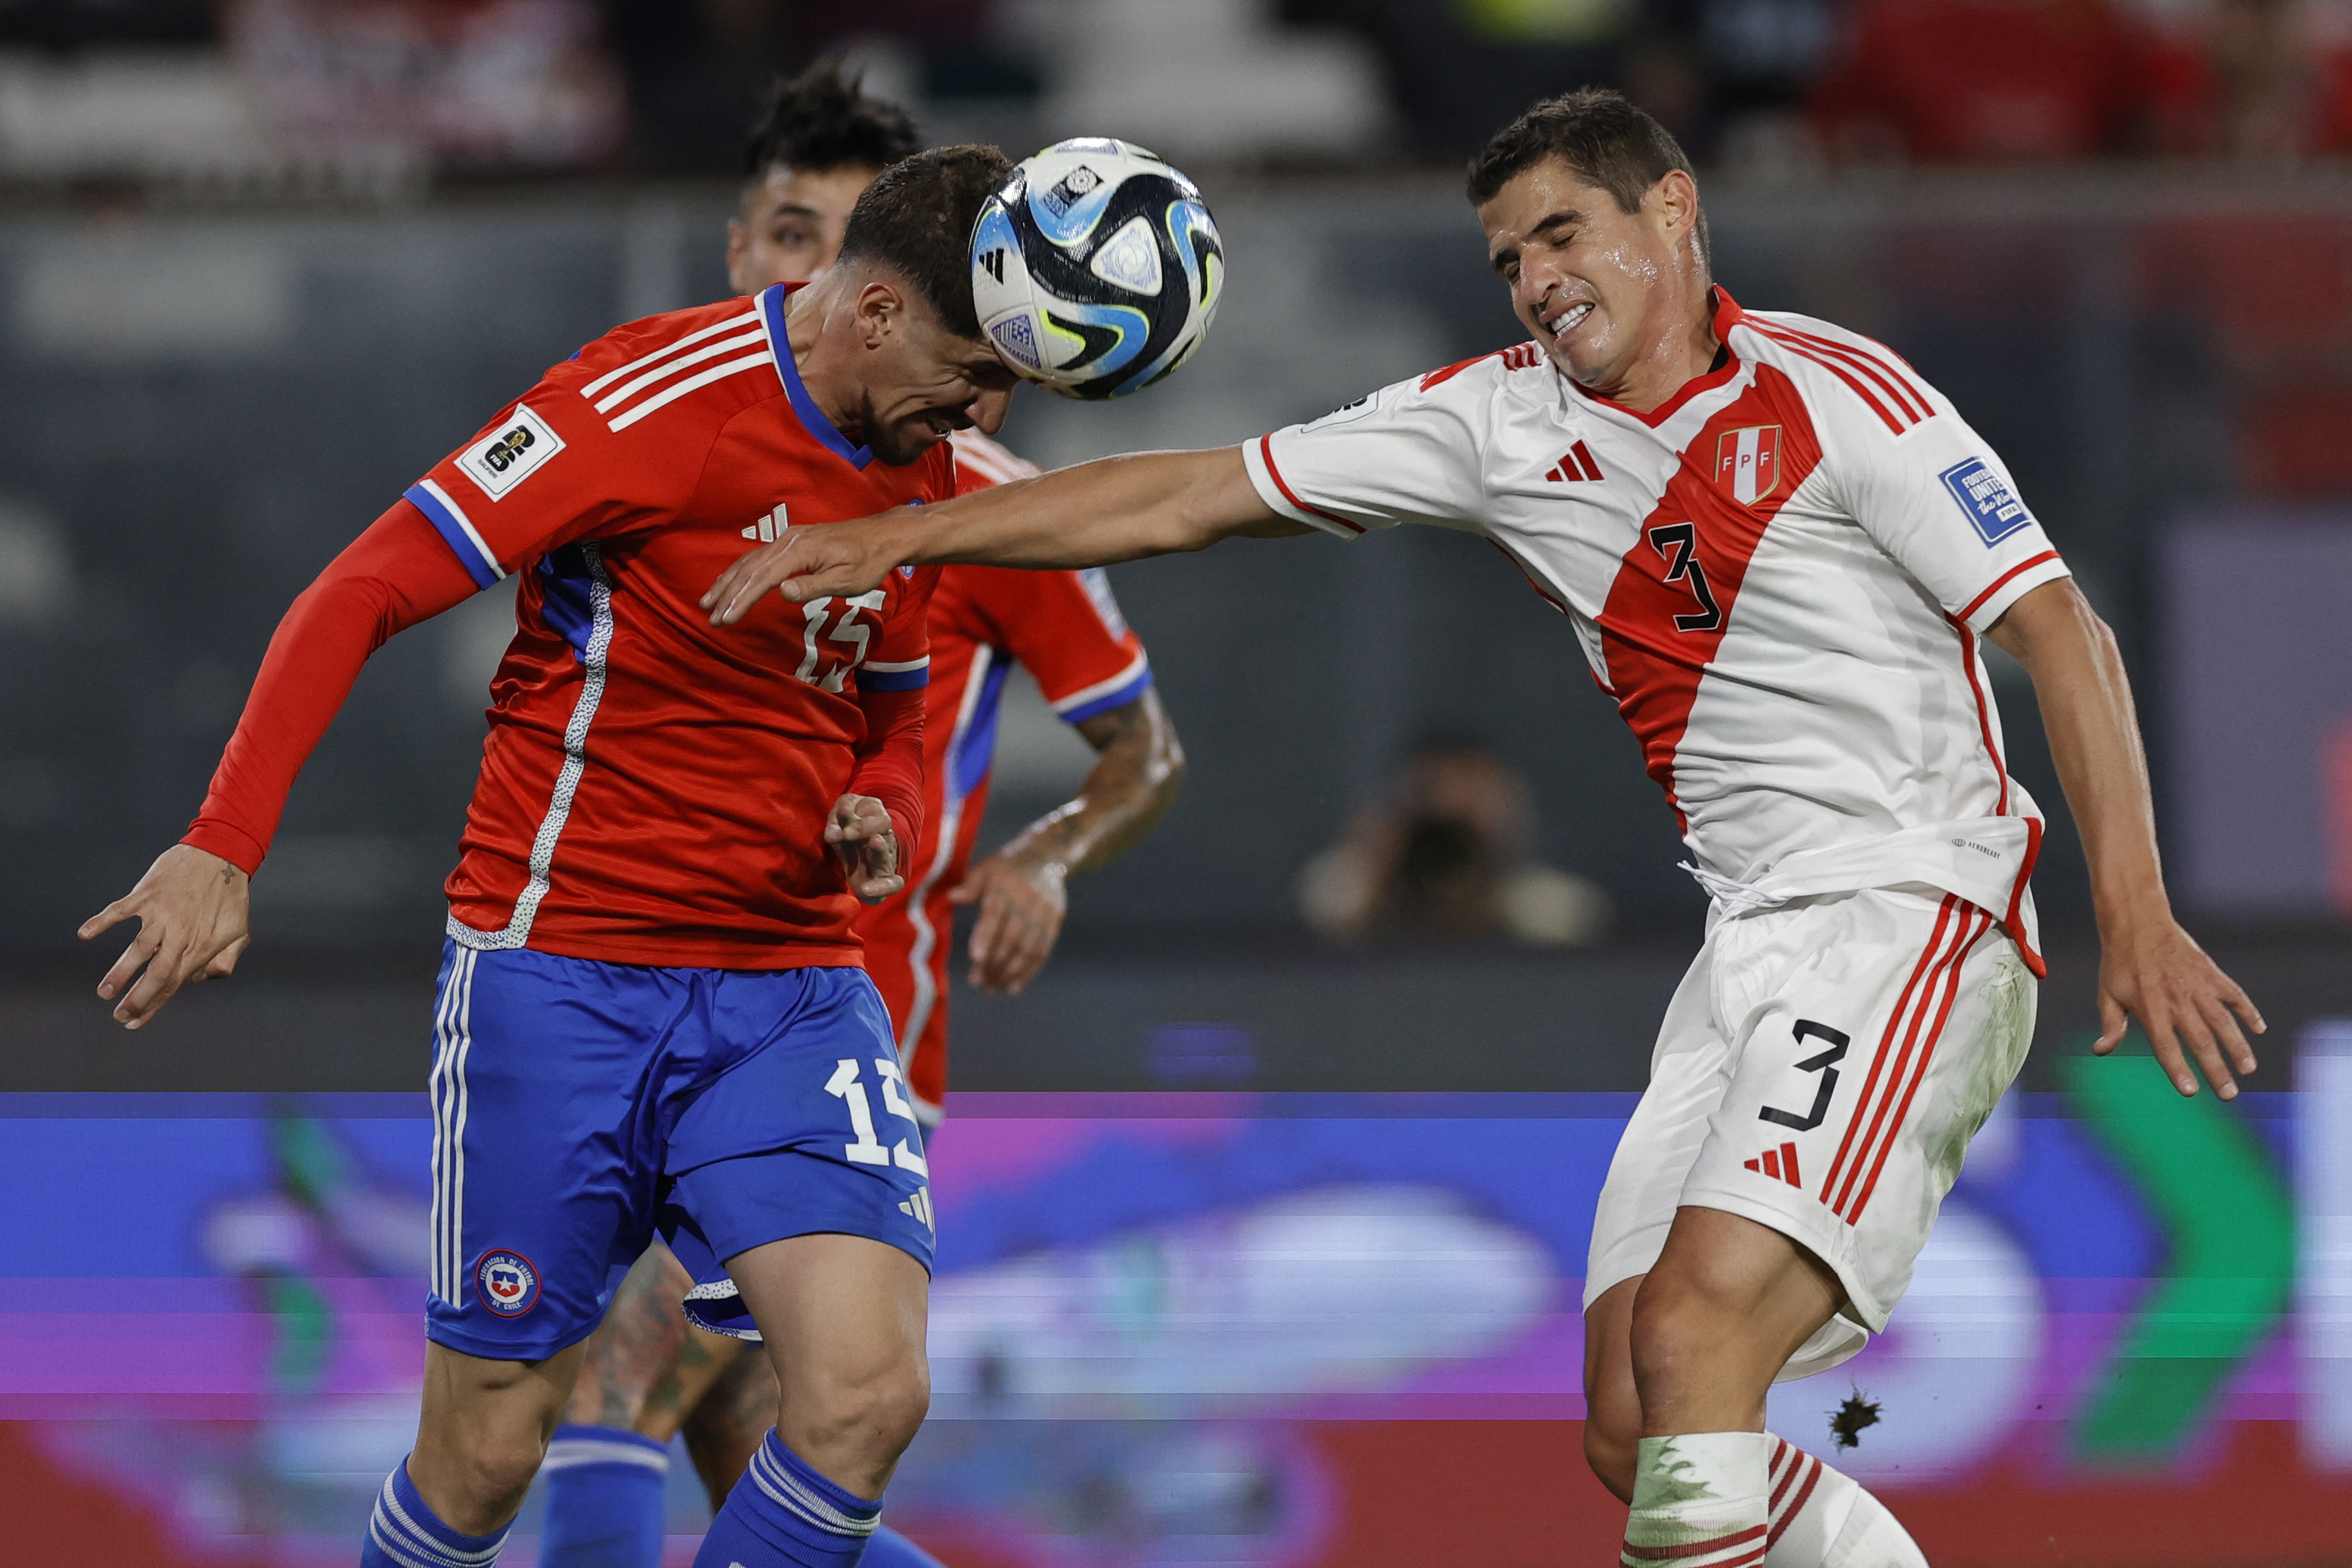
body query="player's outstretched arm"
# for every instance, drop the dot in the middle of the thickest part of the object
(191, 905)
(1139, 768)
(1094, 514)
(2150, 968)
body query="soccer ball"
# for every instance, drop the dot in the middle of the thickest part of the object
(1095, 269)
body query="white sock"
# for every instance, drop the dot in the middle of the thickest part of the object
(1821, 1519)
(1699, 1501)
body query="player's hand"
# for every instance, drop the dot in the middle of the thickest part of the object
(1021, 909)
(191, 908)
(2155, 972)
(859, 830)
(811, 560)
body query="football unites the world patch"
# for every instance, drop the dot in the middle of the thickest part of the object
(1748, 463)
(507, 1283)
(1986, 497)
(510, 453)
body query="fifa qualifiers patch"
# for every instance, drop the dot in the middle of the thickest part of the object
(503, 459)
(507, 1283)
(1986, 497)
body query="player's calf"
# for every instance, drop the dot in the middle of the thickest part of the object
(1613, 1406)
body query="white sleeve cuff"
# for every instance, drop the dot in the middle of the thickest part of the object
(2011, 585)
(1272, 488)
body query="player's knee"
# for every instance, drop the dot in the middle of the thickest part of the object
(876, 1413)
(1677, 1318)
(492, 1464)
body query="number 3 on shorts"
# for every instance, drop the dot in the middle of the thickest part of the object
(867, 1150)
(1823, 1064)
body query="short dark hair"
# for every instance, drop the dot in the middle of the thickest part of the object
(821, 120)
(917, 219)
(1609, 140)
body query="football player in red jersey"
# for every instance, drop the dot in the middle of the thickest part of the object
(649, 1374)
(661, 867)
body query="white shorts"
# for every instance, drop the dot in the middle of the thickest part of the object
(1821, 1070)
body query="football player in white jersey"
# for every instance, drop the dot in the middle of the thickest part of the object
(1780, 551)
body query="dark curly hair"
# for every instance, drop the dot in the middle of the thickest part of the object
(917, 219)
(820, 119)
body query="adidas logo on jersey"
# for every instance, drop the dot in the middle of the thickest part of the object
(1781, 1164)
(1575, 464)
(771, 528)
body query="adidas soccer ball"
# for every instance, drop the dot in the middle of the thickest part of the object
(1095, 269)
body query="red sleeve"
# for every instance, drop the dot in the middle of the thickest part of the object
(890, 691)
(1066, 630)
(890, 762)
(394, 575)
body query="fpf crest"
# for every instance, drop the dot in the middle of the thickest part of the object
(1748, 463)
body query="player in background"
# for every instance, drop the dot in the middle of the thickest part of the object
(671, 835)
(648, 1373)
(1779, 551)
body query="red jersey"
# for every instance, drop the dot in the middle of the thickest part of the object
(1064, 628)
(653, 789)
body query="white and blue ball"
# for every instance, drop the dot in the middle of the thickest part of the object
(1095, 269)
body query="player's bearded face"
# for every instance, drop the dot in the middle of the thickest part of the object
(1589, 280)
(927, 382)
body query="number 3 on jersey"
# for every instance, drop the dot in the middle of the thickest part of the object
(826, 667)
(1678, 544)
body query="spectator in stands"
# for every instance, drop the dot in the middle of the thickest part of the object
(1449, 852)
(2254, 78)
(1987, 81)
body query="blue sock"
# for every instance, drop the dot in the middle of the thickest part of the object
(889, 1549)
(604, 1499)
(783, 1514)
(404, 1534)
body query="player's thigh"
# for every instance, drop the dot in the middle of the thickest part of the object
(540, 1193)
(1689, 1072)
(836, 1310)
(1886, 1026)
(812, 1133)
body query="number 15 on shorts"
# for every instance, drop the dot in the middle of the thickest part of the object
(867, 1148)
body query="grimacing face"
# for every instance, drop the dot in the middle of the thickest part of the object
(1594, 284)
(790, 225)
(921, 381)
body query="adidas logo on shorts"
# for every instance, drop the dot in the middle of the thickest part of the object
(1781, 1164)
(919, 1207)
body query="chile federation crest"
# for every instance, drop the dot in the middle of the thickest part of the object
(507, 1283)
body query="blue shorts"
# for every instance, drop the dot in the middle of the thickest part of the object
(578, 1108)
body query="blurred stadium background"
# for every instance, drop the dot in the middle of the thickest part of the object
(1261, 1213)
